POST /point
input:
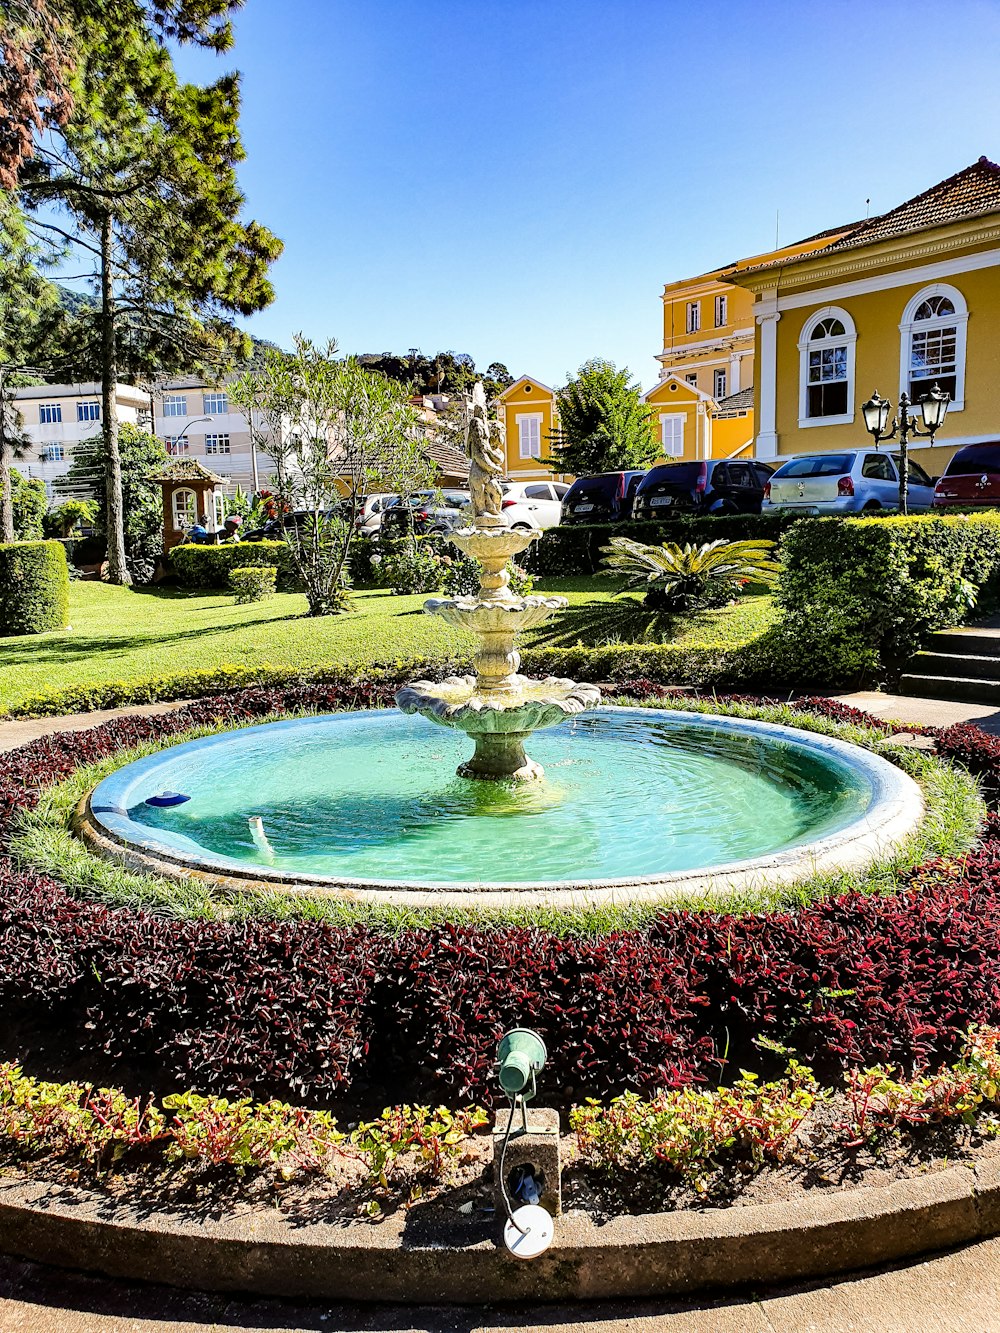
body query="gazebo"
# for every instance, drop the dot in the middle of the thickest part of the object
(190, 493)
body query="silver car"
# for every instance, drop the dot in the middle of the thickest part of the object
(849, 481)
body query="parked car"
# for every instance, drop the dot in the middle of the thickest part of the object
(605, 498)
(432, 511)
(846, 482)
(714, 486)
(370, 510)
(972, 478)
(272, 530)
(533, 504)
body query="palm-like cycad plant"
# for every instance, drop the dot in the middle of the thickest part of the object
(682, 578)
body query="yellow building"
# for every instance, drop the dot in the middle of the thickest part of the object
(899, 302)
(530, 414)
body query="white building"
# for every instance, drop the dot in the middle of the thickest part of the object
(195, 420)
(57, 417)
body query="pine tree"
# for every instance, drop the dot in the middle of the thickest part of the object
(144, 174)
(603, 423)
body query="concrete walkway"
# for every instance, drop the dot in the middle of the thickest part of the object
(951, 1293)
(928, 712)
(23, 730)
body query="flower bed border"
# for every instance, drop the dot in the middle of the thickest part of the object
(406, 1260)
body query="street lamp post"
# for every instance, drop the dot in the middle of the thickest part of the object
(195, 421)
(933, 410)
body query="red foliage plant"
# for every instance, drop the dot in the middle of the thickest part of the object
(303, 1009)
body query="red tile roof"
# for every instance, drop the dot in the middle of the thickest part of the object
(972, 192)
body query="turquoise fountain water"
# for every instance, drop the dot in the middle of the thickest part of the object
(374, 797)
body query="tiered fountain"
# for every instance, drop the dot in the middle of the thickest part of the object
(496, 707)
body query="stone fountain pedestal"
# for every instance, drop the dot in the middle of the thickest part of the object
(497, 707)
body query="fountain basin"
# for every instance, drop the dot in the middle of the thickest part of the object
(636, 805)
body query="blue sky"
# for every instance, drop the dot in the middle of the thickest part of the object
(518, 179)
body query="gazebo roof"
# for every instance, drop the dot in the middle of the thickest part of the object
(186, 469)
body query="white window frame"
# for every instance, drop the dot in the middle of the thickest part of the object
(692, 380)
(175, 405)
(49, 414)
(216, 403)
(176, 445)
(716, 391)
(217, 444)
(909, 325)
(721, 311)
(88, 411)
(692, 317)
(672, 440)
(179, 515)
(529, 442)
(847, 339)
(55, 453)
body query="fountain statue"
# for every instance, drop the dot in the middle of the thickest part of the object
(496, 707)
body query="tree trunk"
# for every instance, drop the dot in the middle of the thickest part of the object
(114, 506)
(6, 463)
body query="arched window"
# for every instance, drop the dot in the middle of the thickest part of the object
(826, 368)
(185, 508)
(932, 343)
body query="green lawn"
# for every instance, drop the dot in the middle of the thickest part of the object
(121, 634)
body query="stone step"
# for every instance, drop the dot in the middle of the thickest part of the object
(971, 688)
(954, 664)
(979, 642)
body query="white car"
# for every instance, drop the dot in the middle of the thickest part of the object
(848, 481)
(533, 504)
(370, 511)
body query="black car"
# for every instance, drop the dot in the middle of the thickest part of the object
(606, 498)
(274, 528)
(714, 486)
(432, 511)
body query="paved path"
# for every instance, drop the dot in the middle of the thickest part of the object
(930, 712)
(951, 1293)
(23, 730)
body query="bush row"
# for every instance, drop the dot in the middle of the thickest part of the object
(212, 566)
(576, 548)
(304, 1009)
(860, 595)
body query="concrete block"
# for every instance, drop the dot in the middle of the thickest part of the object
(537, 1147)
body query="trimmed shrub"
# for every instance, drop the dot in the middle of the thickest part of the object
(409, 569)
(211, 566)
(253, 583)
(859, 595)
(576, 548)
(34, 587)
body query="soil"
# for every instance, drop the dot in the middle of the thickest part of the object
(197, 1191)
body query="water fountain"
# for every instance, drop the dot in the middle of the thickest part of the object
(636, 803)
(496, 707)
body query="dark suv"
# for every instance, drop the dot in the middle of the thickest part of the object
(714, 486)
(606, 498)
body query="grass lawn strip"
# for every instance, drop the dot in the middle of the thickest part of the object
(124, 635)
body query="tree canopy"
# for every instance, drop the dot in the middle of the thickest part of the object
(443, 372)
(603, 423)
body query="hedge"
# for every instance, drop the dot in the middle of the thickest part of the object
(305, 1008)
(576, 548)
(34, 587)
(761, 662)
(860, 595)
(211, 566)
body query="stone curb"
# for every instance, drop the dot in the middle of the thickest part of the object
(407, 1260)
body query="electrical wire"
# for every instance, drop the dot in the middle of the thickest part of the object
(503, 1172)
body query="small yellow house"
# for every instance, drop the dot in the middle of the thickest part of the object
(530, 413)
(682, 419)
(898, 303)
